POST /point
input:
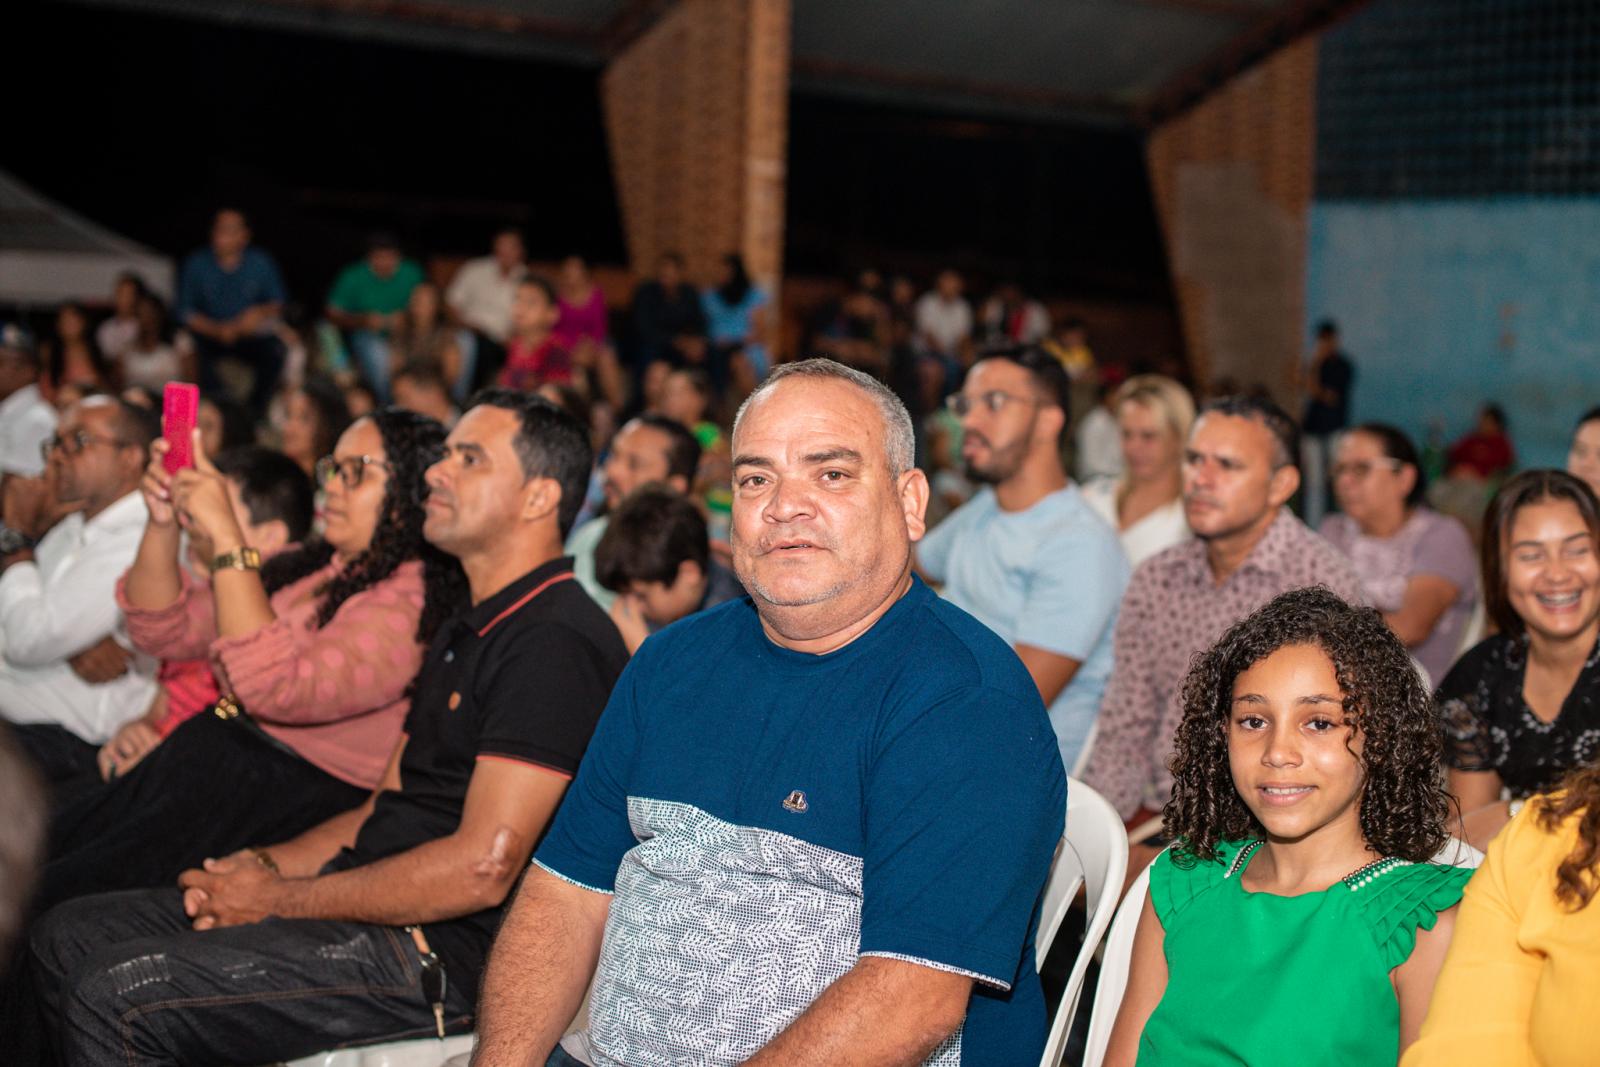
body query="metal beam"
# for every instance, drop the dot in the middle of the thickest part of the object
(425, 23)
(1238, 9)
(632, 21)
(834, 77)
(1246, 50)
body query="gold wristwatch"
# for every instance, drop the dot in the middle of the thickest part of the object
(240, 559)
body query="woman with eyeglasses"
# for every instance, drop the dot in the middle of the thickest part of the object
(314, 650)
(1522, 707)
(1416, 566)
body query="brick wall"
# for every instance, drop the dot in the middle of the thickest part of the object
(1233, 179)
(696, 118)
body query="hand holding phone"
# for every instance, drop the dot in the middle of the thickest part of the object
(180, 406)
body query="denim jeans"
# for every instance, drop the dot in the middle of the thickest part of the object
(58, 754)
(371, 351)
(122, 978)
(560, 1058)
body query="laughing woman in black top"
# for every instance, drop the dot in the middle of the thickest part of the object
(1523, 707)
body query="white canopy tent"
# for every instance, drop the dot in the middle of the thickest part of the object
(50, 254)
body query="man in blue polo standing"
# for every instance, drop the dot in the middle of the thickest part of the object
(230, 296)
(813, 824)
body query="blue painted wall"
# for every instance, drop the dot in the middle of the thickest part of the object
(1447, 303)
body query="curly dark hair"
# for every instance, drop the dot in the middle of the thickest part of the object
(411, 444)
(1403, 802)
(1578, 876)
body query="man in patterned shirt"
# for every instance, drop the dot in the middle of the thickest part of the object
(783, 846)
(1238, 475)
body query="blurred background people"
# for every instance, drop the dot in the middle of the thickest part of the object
(368, 303)
(480, 297)
(1144, 504)
(230, 296)
(1416, 566)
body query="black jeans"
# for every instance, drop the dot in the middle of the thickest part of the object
(265, 355)
(212, 787)
(57, 753)
(124, 980)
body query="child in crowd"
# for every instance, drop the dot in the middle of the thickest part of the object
(533, 355)
(272, 503)
(1296, 918)
(686, 398)
(421, 387)
(656, 555)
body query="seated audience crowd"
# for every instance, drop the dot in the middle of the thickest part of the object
(622, 690)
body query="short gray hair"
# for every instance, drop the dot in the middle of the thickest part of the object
(899, 437)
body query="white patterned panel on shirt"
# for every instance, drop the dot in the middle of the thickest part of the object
(718, 937)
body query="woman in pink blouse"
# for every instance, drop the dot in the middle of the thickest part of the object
(314, 653)
(583, 330)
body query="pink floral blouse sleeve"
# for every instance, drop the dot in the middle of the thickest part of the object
(363, 659)
(183, 629)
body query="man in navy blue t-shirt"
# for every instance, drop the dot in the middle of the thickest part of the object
(813, 824)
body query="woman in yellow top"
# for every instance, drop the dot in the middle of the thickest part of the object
(1522, 978)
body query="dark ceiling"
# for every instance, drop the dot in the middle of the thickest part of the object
(1106, 62)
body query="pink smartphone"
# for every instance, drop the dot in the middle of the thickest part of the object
(180, 406)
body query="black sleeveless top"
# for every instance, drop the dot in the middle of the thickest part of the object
(1488, 726)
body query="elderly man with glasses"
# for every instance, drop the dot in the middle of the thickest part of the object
(66, 677)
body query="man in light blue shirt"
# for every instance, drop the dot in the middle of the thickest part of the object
(1026, 555)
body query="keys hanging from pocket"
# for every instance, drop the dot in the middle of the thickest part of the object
(434, 984)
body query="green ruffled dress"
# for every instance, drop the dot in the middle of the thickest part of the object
(1260, 979)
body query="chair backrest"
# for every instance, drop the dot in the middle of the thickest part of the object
(417, 1052)
(1477, 623)
(1094, 856)
(1114, 971)
(1457, 853)
(1119, 950)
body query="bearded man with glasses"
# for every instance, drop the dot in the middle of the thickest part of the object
(1027, 555)
(67, 676)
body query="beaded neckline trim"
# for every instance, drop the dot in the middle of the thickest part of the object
(1242, 858)
(1363, 876)
(1359, 878)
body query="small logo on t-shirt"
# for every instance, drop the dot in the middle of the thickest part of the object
(796, 802)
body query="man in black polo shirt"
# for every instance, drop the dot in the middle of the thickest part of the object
(338, 937)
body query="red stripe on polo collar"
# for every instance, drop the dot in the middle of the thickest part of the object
(565, 576)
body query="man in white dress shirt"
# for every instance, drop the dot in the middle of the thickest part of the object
(26, 418)
(480, 297)
(66, 678)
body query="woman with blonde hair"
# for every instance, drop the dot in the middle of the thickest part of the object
(1145, 504)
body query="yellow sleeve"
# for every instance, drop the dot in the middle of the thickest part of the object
(1483, 1000)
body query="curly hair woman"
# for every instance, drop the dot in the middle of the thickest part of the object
(315, 651)
(1523, 972)
(1306, 806)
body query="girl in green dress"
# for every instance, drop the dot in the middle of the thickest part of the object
(1297, 918)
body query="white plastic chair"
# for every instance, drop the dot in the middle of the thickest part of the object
(419, 1052)
(1114, 971)
(1119, 950)
(1473, 631)
(1093, 855)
